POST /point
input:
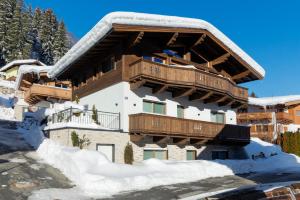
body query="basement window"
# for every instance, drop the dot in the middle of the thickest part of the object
(158, 154)
(180, 111)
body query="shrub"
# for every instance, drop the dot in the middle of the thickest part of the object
(75, 139)
(128, 154)
(95, 115)
(77, 99)
(84, 141)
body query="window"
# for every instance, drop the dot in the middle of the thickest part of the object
(218, 117)
(158, 154)
(191, 154)
(298, 113)
(180, 111)
(221, 155)
(154, 107)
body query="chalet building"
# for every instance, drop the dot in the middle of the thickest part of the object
(169, 86)
(271, 116)
(35, 90)
(10, 70)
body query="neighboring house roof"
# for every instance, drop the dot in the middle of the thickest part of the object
(130, 18)
(272, 101)
(25, 69)
(21, 62)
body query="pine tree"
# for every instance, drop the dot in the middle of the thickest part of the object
(14, 34)
(27, 33)
(61, 43)
(47, 36)
(36, 52)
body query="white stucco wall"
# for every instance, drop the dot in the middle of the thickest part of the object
(119, 98)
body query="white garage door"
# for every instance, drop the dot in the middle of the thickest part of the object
(108, 150)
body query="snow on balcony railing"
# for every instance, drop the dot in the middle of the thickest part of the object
(73, 117)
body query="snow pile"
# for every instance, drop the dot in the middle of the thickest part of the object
(21, 62)
(271, 101)
(7, 84)
(93, 173)
(130, 18)
(258, 146)
(6, 110)
(32, 131)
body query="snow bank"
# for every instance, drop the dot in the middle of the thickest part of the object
(93, 173)
(271, 101)
(131, 18)
(7, 113)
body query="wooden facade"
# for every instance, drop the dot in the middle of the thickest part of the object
(37, 93)
(191, 131)
(281, 117)
(38, 88)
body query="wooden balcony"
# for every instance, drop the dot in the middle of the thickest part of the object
(281, 117)
(185, 131)
(38, 92)
(187, 81)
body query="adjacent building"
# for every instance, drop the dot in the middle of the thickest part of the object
(10, 70)
(271, 116)
(168, 86)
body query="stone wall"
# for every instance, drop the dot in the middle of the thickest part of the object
(120, 140)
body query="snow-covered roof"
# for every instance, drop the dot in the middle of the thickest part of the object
(21, 62)
(272, 101)
(25, 69)
(130, 18)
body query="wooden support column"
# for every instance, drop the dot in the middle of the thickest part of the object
(180, 140)
(136, 138)
(137, 84)
(197, 96)
(173, 39)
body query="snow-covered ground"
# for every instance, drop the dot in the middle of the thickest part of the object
(6, 110)
(94, 174)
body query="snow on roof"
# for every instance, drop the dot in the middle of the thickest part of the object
(21, 62)
(25, 69)
(271, 101)
(130, 18)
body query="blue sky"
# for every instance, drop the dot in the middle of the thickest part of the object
(268, 30)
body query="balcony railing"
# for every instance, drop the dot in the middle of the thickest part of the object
(281, 117)
(37, 92)
(107, 120)
(151, 124)
(185, 76)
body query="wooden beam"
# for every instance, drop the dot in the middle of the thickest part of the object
(160, 139)
(184, 92)
(138, 84)
(26, 82)
(220, 59)
(224, 73)
(224, 98)
(180, 141)
(238, 105)
(226, 103)
(241, 75)
(199, 40)
(137, 39)
(197, 96)
(173, 39)
(159, 89)
(136, 138)
(198, 54)
(24, 88)
(195, 141)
